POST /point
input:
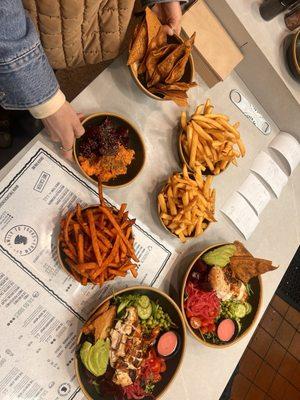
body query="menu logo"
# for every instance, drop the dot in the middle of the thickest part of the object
(64, 389)
(21, 239)
(41, 182)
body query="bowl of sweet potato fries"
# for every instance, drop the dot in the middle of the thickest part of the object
(96, 243)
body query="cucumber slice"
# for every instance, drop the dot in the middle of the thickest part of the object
(144, 313)
(122, 305)
(248, 308)
(144, 301)
(240, 311)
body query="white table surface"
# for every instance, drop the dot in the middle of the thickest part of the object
(205, 371)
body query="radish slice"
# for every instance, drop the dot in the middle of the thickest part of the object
(226, 329)
(167, 344)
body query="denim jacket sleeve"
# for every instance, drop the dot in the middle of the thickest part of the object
(26, 78)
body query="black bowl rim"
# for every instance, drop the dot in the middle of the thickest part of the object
(183, 339)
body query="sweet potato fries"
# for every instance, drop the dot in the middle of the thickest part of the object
(97, 243)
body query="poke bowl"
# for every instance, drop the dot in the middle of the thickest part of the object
(222, 293)
(131, 346)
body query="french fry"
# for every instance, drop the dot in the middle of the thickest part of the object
(183, 120)
(80, 248)
(193, 149)
(201, 132)
(189, 135)
(162, 203)
(91, 220)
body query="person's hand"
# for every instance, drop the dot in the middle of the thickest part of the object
(170, 16)
(64, 126)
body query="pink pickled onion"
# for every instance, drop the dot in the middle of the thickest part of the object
(201, 304)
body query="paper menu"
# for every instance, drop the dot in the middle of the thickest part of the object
(38, 342)
(289, 147)
(34, 196)
(270, 172)
(255, 193)
(241, 214)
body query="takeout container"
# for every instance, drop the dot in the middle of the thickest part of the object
(184, 160)
(136, 143)
(188, 75)
(173, 363)
(255, 300)
(165, 227)
(215, 53)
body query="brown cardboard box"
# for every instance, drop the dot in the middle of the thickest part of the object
(215, 54)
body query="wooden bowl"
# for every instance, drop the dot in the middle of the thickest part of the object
(173, 363)
(136, 143)
(61, 255)
(188, 75)
(292, 50)
(165, 227)
(184, 160)
(255, 300)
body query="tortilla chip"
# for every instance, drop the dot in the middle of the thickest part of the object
(153, 24)
(179, 102)
(247, 267)
(104, 323)
(155, 56)
(139, 45)
(179, 68)
(241, 249)
(157, 42)
(168, 63)
(176, 86)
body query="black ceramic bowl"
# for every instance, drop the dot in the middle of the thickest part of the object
(248, 321)
(136, 143)
(292, 54)
(173, 363)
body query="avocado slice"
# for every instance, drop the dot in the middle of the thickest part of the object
(95, 358)
(219, 256)
(84, 352)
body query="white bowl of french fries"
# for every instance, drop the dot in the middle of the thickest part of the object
(208, 142)
(186, 204)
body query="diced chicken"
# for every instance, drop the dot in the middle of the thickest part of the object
(132, 316)
(115, 338)
(225, 285)
(122, 378)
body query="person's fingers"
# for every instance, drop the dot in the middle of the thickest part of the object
(169, 31)
(78, 128)
(67, 142)
(80, 116)
(54, 137)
